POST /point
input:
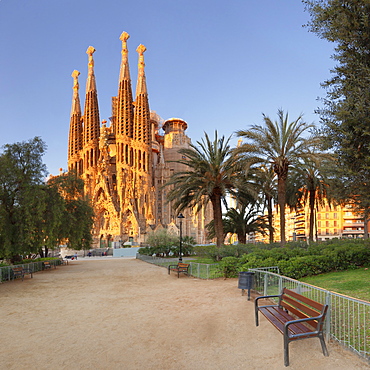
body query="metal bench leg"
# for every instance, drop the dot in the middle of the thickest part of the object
(256, 315)
(286, 351)
(323, 345)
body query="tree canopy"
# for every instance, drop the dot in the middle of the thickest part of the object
(278, 144)
(346, 108)
(35, 215)
(211, 173)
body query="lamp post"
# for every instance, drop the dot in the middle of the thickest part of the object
(180, 217)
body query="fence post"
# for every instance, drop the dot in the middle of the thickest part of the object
(328, 315)
(265, 285)
(280, 284)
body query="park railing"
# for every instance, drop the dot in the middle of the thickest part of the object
(6, 272)
(348, 319)
(198, 270)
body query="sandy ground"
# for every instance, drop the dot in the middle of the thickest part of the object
(127, 314)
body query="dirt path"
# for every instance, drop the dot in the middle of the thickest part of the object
(127, 314)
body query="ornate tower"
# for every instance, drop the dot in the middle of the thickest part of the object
(124, 109)
(132, 127)
(91, 128)
(75, 129)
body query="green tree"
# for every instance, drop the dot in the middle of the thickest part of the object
(278, 144)
(265, 178)
(309, 184)
(78, 214)
(162, 242)
(346, 108)
(22, 204)
(241, 222)
(211, 174)
(51, 221)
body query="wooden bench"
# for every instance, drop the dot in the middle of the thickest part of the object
(180, 267)
(296, 317)
(47, 265)
(19, 271)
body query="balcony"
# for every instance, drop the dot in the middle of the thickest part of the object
(353, 224)
(353, 216)
(352, 232)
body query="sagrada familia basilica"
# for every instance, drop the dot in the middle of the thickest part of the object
(125, 164)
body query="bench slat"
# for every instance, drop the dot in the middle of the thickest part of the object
(278, 318)
(312, 303)
(296, 328)
(305, 310)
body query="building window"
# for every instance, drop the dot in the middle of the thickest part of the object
(335, 215)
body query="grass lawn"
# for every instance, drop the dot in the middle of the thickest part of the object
(354, 283)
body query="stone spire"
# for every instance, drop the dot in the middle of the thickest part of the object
(90, 84)
(124, 103)
(91, 112)
(75, 126)
(141, 81)
(142, 127)
(124, 70)
(76, 106)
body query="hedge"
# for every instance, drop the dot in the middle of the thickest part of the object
(298, 261)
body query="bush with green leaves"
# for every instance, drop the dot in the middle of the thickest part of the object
(218, 253)
(229, 266)
(297, 262)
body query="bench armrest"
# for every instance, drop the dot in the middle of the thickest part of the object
(316, 318)
(265, 297)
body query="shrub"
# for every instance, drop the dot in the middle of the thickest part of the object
(296, 261)
(229, 266)
(301, 266)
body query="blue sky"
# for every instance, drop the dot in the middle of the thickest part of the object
(216, 64)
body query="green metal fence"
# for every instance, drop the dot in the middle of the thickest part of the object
(198, 270)
(6, 272)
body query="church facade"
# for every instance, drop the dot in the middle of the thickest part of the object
(125, 164)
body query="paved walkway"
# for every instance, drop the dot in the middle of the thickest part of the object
(126, 314)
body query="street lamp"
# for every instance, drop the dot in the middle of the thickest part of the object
(180, 217)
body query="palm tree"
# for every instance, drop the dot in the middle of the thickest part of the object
(244, 221)
(265, 178)
(278, 143)
(211, 173)
(310, 185)
(240, 222)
